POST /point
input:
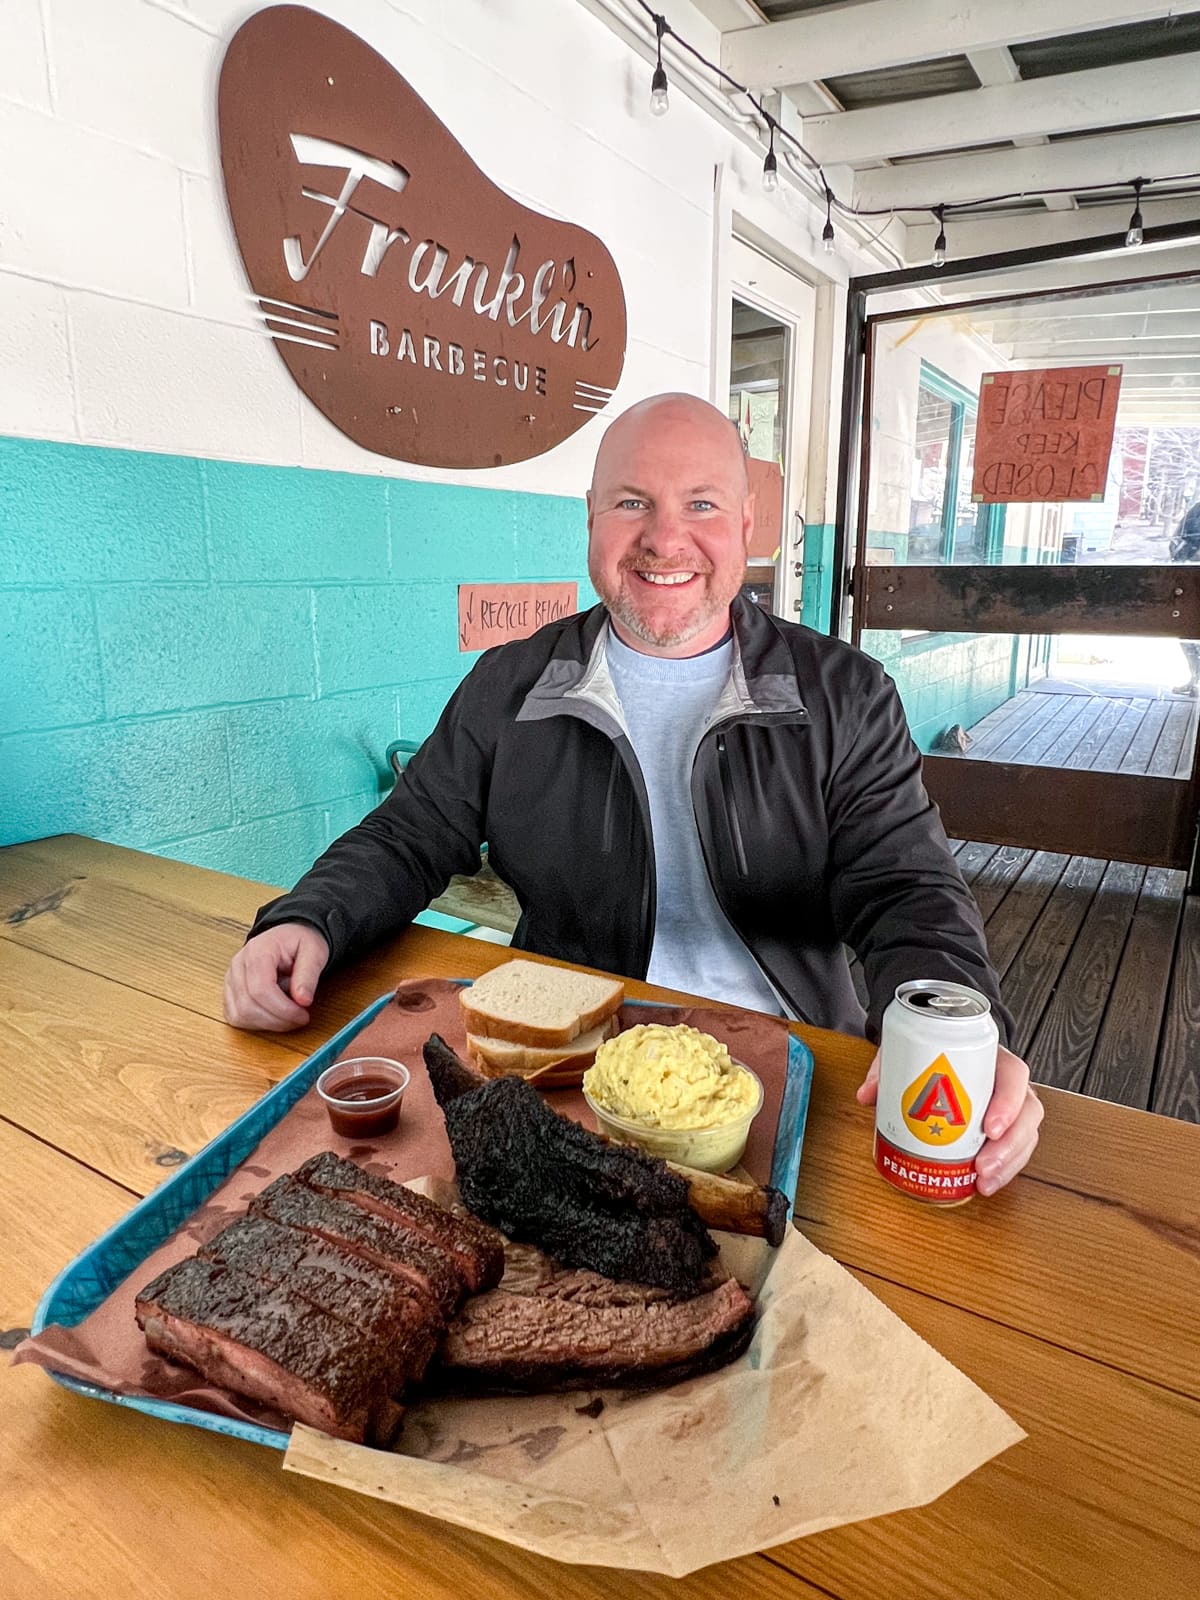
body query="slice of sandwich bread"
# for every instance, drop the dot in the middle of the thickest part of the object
(525, 1003)
(498, 1058)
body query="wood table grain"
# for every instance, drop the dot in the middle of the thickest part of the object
(1073, 1299)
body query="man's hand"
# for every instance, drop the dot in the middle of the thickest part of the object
(1010, 1123)
(273, 978)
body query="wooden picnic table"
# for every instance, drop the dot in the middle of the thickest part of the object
(1073, 1299)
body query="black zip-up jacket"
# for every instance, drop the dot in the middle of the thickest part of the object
(814, 823)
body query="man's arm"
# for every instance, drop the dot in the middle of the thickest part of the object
(898, 898)
(901, 904)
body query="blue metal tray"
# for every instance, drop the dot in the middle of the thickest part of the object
(92, 1276)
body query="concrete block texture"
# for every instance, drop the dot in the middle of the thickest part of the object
(274, 851)
(168, 649)
(70, 514)
(395, 633)
(164, 381)
(24, 74)
(51, 660)
(188, 668)
(37, 395)
(271, 522)
(295, 753)
(165, 69)
(442, 531)
(93, 212)
(129, 782)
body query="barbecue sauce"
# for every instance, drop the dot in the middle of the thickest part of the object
(360, 1115)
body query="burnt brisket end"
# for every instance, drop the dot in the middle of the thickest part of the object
(271, 1347)
(399, 1250)
(478, 1250)
(540, 1177)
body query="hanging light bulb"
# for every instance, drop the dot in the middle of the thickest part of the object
(827, 231)
(659, 104)
(939, 244)
(1135, 236)
(770, 165)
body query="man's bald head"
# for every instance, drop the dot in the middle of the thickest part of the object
(711, 429)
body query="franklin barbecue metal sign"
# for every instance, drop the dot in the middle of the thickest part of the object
(429, 316)
(1045, 434)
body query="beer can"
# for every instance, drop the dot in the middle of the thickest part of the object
(937, 1069)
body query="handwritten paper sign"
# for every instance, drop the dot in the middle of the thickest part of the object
(494, 613)
(766, 485)
(1045, 434)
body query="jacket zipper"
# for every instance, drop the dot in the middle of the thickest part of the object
(731, 817)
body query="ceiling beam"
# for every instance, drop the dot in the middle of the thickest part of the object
(1078, 274)
(889, 33)
(1103, 158)
(1070, 102)
(984, 235)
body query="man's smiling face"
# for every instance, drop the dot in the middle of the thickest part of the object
(669, 522)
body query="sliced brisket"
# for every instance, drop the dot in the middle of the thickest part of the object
(427, 1266)
(574, 1330)
(478, 1250)
(271, 1346)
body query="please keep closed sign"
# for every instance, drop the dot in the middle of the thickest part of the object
(1045, 434)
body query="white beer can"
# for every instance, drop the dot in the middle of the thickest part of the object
(936, 1073)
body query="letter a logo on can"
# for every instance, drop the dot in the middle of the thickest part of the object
(935, 1106)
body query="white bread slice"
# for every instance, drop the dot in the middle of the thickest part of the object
(498, 1058)
(524, 1002)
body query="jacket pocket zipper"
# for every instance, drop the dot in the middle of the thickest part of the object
(731, 816)
(606, 832)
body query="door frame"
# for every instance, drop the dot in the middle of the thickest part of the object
(1116, 815)
(781, 292)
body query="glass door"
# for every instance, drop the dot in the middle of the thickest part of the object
(1037, 606)
(770, 385)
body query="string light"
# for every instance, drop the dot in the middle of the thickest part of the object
(770, 165)
(659, 103)
(1134, 236)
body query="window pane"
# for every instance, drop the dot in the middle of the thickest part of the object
(932, 466)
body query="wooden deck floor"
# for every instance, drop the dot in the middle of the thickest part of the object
(1099, 961)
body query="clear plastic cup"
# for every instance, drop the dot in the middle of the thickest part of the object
(363, 1095)
(707, 1149)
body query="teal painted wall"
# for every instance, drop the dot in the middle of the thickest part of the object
(951, 677)
(208, 660)
(816, 590)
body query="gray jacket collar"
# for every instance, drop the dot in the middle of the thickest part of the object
(582, 686)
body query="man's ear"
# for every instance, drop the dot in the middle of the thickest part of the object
(747, 520)
(588, 500)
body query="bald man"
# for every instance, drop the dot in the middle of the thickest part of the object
(676, 785)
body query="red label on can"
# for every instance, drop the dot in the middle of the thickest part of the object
(940, 1181)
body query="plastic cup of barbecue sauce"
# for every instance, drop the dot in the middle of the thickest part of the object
(363, 1096)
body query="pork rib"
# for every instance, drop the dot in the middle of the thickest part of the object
(272, 1347)
(478, 1250)
(428, 1267)
(335, 1281)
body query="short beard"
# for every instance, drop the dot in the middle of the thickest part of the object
(665, 639)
